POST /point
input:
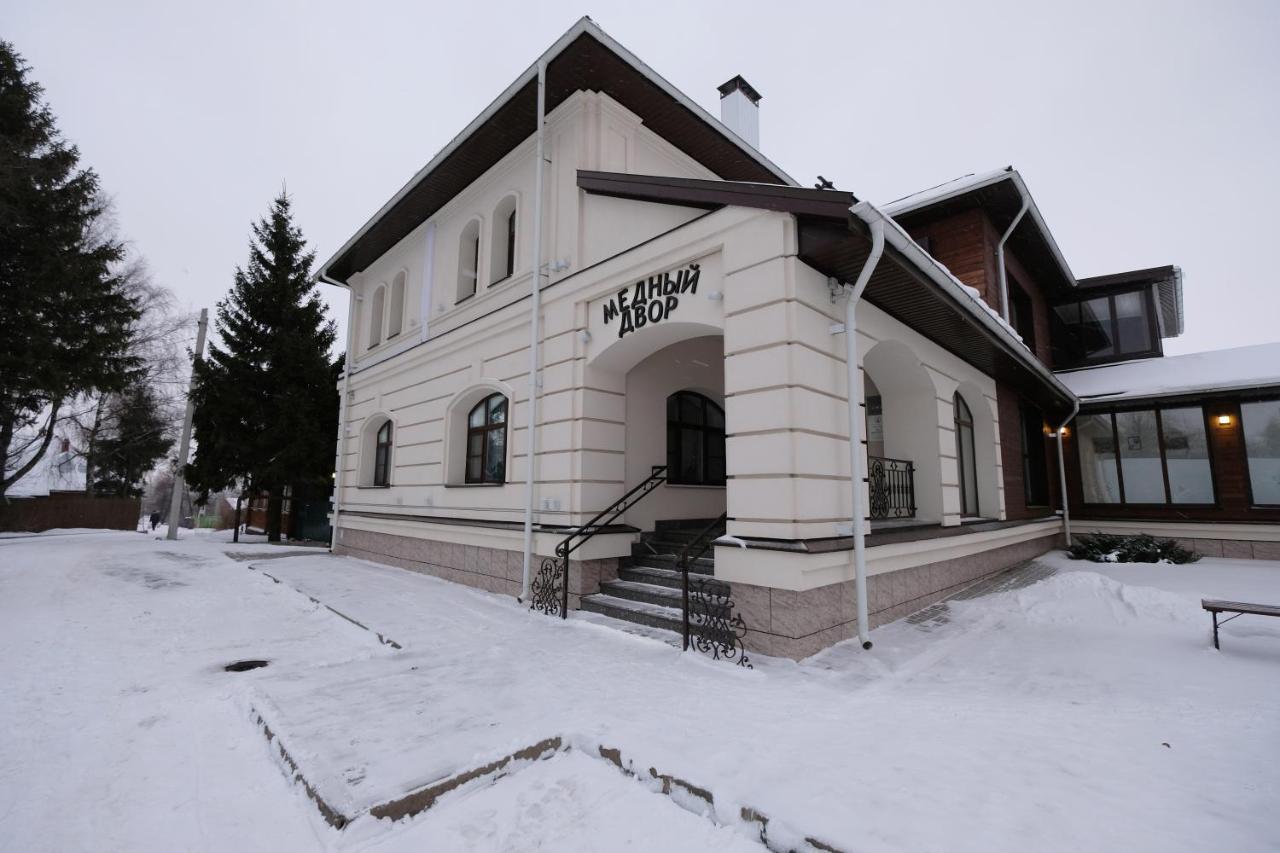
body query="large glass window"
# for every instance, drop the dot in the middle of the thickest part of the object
(1145, 457)
(1261, 422)
(1186, 456)
(1099, 476)
(1140, 467)
(487, 441)
(1103, 328)
(695, 440)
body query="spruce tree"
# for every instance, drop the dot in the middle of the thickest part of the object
(139, 435)
(266, 399)
(64, 313)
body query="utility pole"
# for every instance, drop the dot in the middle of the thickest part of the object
(179, 481)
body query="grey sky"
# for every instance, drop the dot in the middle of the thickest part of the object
(1147, 131)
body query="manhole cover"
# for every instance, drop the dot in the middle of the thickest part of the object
(245, 665)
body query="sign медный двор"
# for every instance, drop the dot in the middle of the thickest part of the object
(650, 300)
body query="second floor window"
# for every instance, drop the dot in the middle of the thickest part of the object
(1021, 314)
(1104, 328)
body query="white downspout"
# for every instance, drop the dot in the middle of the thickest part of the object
(342, 405)
(531, 434)
(1062, 474)
(1004, 278)
(856, 455)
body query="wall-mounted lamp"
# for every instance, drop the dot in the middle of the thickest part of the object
(1224, 420)
(584, 336)
(715, 296)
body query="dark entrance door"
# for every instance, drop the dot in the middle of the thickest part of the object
(695, 440)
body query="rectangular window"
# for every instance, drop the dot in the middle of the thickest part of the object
(1022, 315)
(1140, 468)
(1186, 455)
(1099, 474)
(1261, 423)
(1151, 456)
(1103, 328)
(1035, 472)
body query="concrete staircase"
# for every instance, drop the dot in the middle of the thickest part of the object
(649, 588)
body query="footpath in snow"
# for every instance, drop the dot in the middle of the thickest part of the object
(1085, 711)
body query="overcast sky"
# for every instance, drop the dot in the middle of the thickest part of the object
(1147, 131)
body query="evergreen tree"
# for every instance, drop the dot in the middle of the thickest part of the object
(139, 436)
(64, 316)
(266, 399)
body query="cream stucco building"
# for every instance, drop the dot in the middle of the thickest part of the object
(690, 343)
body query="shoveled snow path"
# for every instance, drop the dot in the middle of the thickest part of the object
(1036, 719)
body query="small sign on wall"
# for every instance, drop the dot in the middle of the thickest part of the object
(650, 301)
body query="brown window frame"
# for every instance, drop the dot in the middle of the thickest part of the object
(382, 456)
(488, 426)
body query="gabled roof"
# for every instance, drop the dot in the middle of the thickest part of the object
(584, 58)
(1167, 283)
(1000, 194)
(908, 284)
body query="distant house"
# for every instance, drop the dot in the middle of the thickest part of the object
(52, 495)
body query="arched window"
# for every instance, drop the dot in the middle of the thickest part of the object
(395, 320)
(695, 440)
(487, 441)
(468, 260)
(376, 308)
(382, 456)
(966, 460)
(502, 248)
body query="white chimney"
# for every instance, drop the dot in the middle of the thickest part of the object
(740, 110)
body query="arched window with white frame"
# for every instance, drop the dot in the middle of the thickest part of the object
(502, 246)
(395, 317)
(377, 307)
(468, 260)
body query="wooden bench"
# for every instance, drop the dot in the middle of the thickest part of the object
(1239, 608)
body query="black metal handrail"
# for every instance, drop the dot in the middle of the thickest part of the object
(551, 589)
(891, 486)
(692, 551)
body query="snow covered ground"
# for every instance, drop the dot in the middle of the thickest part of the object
(1086, 711)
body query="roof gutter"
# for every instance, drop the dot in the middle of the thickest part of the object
(901, 242)
(347, 368)
(1000, 265)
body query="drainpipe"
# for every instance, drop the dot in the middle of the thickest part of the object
(1062, 473)
(347, 367)
(856, 455)
(531, 436)
(1004, 278)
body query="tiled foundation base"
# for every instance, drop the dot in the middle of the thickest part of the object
(794, 624)
(491, 569)
(1240, 549)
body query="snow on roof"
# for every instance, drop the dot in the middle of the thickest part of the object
(955, 187)
(1214, 370)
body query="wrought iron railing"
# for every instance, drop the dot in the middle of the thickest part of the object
(709, 623)
(892, 487)
(551, 586)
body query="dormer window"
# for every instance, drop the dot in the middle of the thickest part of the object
(1107, 327)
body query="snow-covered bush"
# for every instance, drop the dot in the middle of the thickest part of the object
(1142, 548)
